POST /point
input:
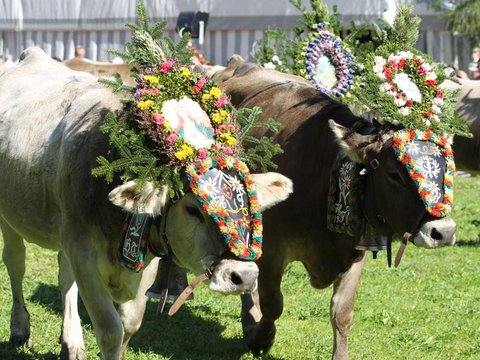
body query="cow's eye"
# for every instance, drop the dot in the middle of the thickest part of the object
(195, 211)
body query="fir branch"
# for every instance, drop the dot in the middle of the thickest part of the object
(116, 83)
(260, 150)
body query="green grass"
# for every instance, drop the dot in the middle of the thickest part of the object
(427, 309)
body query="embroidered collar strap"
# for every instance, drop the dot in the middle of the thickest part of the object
(429, 161)
(223, 187)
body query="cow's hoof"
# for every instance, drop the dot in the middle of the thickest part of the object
(72, 352)
(19, 340)
(261, 338)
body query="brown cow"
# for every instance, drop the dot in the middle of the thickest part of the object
(297, 229)
(467, 150)
(101, 68)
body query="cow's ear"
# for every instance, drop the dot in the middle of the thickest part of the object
(272, 188)
(357, 146)
(136, 198)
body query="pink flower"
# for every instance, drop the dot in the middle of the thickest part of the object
(154, 91)
(158, 119)
(421, 70)
(172, 137)
(166, 66)
(228, 150)
(202, 154)
(220, 102)
(197, 88)
(141, 91)
(440, 94)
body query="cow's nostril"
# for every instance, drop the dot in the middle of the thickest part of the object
(236, 279)
(436, 235)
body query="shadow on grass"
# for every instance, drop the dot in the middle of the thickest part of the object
(10, 352)
(48, 296)
(468, 243)
(184, 336)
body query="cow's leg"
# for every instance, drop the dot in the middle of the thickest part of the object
(341, 308)
(106, 322)
(14, 258)
(261, 336)
(73, 347)
(132, 311)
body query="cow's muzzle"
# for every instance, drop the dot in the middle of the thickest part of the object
(436, 233)
(234, 277)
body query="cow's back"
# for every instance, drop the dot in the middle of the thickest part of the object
(49, 140)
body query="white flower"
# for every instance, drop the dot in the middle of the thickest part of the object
(405, 111)
(378, 69)
(435, 118)
(410, 89)
(427, 67)
(392, 93)
(380, 61)
(436, 109)
(189, 121)
(276, 59)
(419, 59)
(407, 55)
(381, 76)
(438, 101)
(394, 58)
(384, 87)
(400, 102)
(430, 75)
(269, 65)
(427, 122)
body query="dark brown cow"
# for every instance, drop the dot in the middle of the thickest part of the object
(297, 229)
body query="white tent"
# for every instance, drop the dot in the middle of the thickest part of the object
(59, 25)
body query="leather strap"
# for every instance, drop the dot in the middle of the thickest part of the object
(406, 237)
(186, 293)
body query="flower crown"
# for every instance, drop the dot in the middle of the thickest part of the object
(191, 121)
(186, 114)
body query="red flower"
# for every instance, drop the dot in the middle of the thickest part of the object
(409, 103)
(440, 94)
(431, 82)
(401, 63)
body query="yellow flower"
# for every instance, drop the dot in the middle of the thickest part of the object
(151, 79)
(224, 113)
(184, 153)
(206, 97)
(216, 92)
(186, 72)
(217, 118)
(167, 126)
(145, 105)
(229, 139)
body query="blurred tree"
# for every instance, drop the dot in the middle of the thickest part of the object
(462, 17)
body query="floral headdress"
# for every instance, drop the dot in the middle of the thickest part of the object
(190, 119)
(177, 125)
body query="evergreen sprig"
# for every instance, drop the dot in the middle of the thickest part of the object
(260, 151)
(136, 153)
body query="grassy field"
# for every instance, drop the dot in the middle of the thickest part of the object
(429, 308)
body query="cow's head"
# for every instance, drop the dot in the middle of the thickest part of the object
(391, 198)
(193, 235)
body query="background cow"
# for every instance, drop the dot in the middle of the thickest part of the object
(467, 150)
(297, 230)
(49, 142)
